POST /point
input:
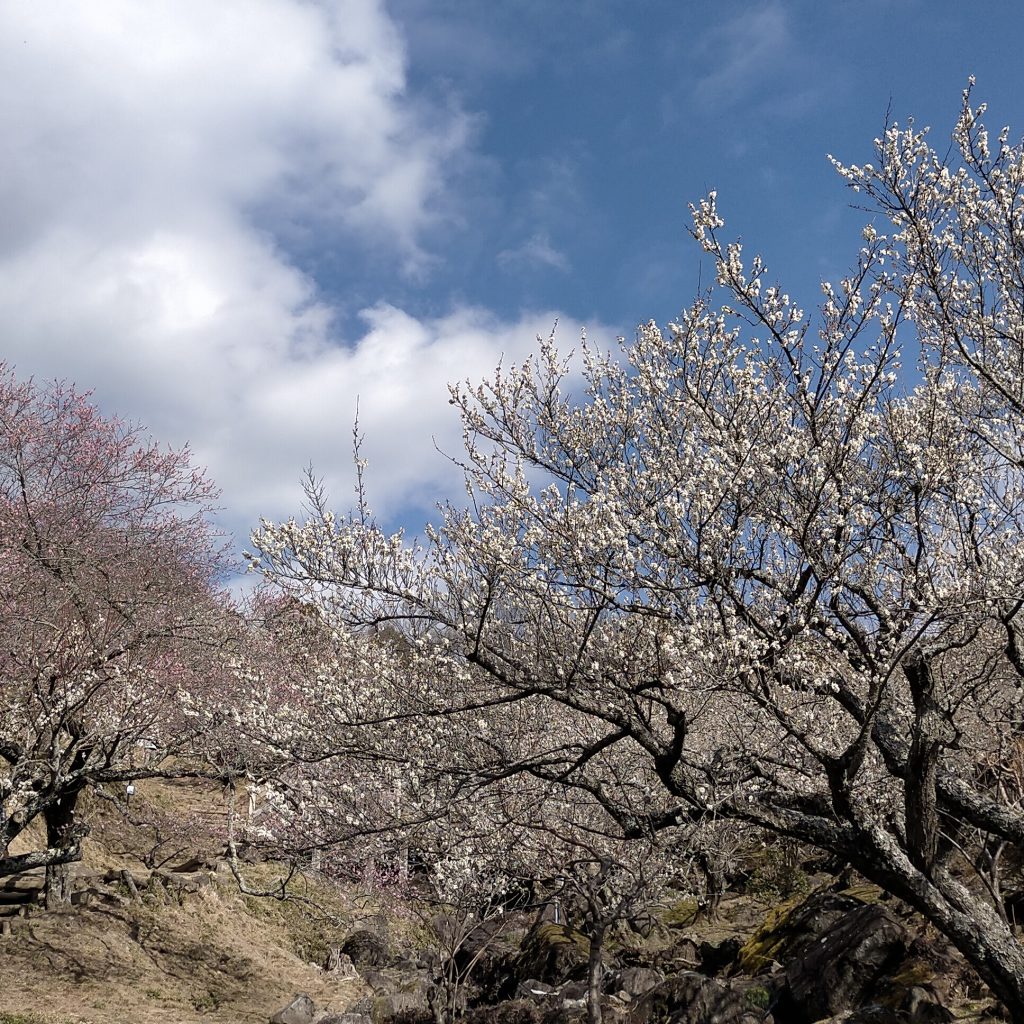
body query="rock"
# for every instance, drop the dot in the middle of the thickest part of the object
(410, 995)
(635, 981)
(300, 1010)
(921, 1006)
(395, 992)
(846, 953)
(382, 1015)
(681, 955)
(692, 998)
(792, 928)
(861, 961)
(493, 976)
(379, 981)
(191, 883)
(572, 991)
(488, 959)
(343, 1018)
(340, 964)
(194, 864)
(534, 990)
(716, 957)
(842, 970)
(366, 949)
(408, 963)
(553, 953)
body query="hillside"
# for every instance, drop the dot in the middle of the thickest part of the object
(188, 948)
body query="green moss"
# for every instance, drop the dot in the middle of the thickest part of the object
(551, 934)
(865, 892)
(758, 997)
(758, 952)
(681, 914)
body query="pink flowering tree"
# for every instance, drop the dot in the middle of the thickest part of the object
(111, 628)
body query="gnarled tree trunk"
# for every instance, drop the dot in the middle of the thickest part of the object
(62, 837)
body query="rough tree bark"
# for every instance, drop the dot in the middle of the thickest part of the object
(62, 835)
(594, 974)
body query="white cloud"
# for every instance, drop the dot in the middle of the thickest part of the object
(536, 252)
(740, 52)
(153, 151)
(398, 370)
(175, 109)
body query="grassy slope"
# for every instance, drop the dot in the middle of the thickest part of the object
(172, 956)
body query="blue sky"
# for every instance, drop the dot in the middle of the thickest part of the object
(232, 220)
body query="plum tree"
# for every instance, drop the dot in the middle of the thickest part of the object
(774, 557)
(111, 627)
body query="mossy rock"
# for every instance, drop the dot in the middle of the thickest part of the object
(791, 927)
(550, 934)
(759, 951)
(758, 997)
(681, 914)
(553, 953)
(865, 892)
(366, 949)
(692, 998)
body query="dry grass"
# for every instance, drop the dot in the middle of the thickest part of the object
(172, 956)
(205, 959)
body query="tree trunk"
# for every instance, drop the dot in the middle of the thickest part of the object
(920, 803)
(594, 974)
(985, 939)
(61, 835)
(58, 886)
(403, 864)
(4, 834)
(714, 882)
